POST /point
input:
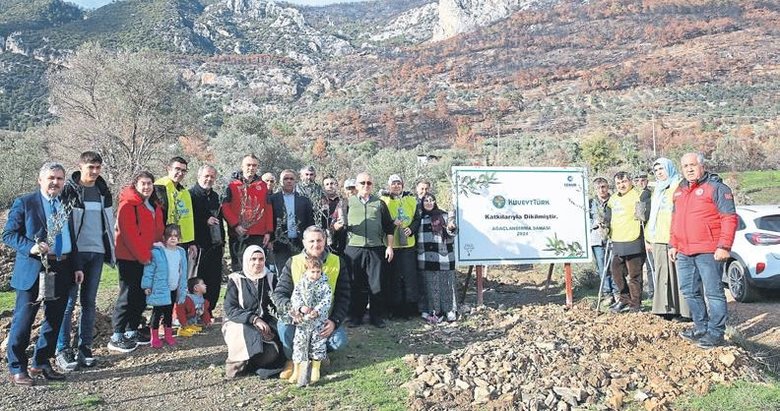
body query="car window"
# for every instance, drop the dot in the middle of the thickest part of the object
(769, 223)
(740, 223)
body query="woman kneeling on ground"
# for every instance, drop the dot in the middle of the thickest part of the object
(249, 329)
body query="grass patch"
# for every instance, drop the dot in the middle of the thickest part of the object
(762, 187)
(109, 284)
(741, 395)
(7, 300)
(369, 374)
(90, 401)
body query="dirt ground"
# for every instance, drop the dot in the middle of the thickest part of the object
(191, 375)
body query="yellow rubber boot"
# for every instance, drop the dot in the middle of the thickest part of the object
(287, 371)
(296, 372)
(184, 332)
(315, 370)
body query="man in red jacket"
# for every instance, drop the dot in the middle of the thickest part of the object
(246, 207)
(704, 221)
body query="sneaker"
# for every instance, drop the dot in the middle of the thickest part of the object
(710, 341)
(143, 336)
(124, 345)
(619, 307)
(433, 319)
(66, 361)
(452, 316)
(425, 316)
(85, 357)
(692, 335)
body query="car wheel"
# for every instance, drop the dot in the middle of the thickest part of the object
(739, 285)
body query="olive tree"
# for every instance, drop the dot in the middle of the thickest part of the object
(129, 107)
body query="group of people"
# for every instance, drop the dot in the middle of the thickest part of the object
(683, 229)
(306, 260)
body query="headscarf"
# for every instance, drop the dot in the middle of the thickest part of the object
(437, 215)
(660, 189)
(246, 259)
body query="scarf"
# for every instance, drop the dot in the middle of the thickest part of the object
(246, 259)
(660, 189)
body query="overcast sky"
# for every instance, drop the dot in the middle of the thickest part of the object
(92, 4)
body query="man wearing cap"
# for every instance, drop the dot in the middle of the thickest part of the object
(337, 240)
(400, 283)
(349, 188)
(370, 237)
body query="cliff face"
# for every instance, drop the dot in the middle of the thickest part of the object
(462, 16)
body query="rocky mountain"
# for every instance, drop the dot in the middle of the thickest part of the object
(531, 77)
(462, 16)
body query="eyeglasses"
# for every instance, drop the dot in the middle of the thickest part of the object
(270, 181)
(180, 170)
(365, 183)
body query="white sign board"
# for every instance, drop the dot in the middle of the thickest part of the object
(508, 215)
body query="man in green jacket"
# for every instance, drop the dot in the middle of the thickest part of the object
(370, 230)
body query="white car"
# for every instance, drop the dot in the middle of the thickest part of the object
(755, 255)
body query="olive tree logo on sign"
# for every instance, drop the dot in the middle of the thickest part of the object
(469, 248)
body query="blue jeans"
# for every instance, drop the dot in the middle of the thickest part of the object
(708, 311)
(598, 255)
(93, 269)
(336, 341)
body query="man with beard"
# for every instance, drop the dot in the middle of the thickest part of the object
(247, 210)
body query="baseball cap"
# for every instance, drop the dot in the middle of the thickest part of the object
(393, 178)
(349, 183)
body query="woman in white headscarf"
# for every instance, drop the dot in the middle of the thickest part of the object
(667, 299)
(249, 328)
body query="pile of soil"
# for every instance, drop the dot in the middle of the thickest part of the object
(543, 357)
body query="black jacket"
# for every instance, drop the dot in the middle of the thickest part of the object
(205, 204)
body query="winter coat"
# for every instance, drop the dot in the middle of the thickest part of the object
(156, 278)
(74, 193)
(137, 228)
(704, 217)
(257, 192)
(435, 251)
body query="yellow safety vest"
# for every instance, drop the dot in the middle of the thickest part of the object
(405, 207)
(179, 209)
(624, 225)
(663, 220)
(331, 267)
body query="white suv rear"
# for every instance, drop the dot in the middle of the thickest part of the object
(755, 255)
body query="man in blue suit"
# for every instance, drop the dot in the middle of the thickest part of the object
(26, 232)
